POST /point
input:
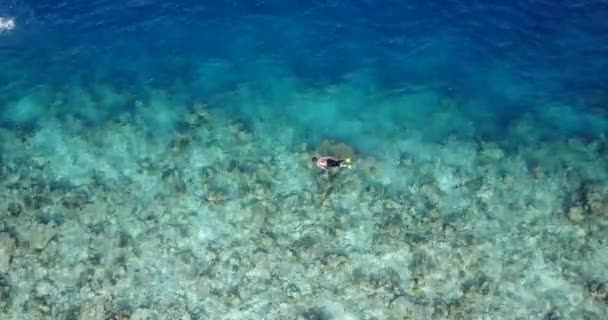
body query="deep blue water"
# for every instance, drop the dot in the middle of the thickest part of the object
(509, 57)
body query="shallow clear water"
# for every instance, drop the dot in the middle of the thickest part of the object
(155, 159)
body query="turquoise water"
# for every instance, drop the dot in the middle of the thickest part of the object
(155, 160)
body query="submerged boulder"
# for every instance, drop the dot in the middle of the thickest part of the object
(590, 201)
(598, 291)
(7, 249)
(596, 199)
(5, 292)
(336, 149)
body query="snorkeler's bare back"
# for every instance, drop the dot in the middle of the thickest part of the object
(326, 162)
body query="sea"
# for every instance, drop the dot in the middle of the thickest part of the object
(168, 159)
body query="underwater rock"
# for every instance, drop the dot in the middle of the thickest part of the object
(478, 285)
(596, 197)
(491, 152)
(552, 315)
(14, 209)
(177, 311)
(93, 309)
(576, 214)
(75, 200)
(387, 279)
(44, 289)
(197, 116)
(598, 291)
(174, 179)
(141, 314)
(538, 172)
(7, 249)
(42, 296)
(315, 313)
(5, 292)
(451, 309)
(336, 149)
(36, 201)
(591, 200)
(50, 217)
(39, 235)
(3, 167)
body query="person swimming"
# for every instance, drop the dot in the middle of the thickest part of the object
(327, 162)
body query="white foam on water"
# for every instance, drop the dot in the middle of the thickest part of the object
(7, 24)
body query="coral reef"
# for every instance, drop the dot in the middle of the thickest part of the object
(590, 202)
(5, 293)
(213, 217)
(336, 149)
(7, 250)
(598, 291)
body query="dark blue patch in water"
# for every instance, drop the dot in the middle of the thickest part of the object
(516, 56)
